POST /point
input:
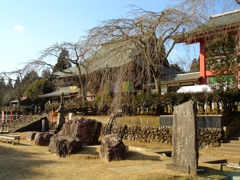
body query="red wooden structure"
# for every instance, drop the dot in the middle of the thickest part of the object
(215, 28)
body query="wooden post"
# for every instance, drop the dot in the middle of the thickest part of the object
(188, 169)
(43, 125)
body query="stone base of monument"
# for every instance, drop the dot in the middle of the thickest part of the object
(187, 170)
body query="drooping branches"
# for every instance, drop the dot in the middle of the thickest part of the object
(147, 34)
(67, 55)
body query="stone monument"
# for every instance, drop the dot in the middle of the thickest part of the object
(61, 114)
(184, 139)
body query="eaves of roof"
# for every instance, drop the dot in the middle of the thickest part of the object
(228, 21)
(110, 55)
(66, 91)
(182, 77)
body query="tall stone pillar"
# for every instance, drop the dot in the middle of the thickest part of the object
(184, 139)
(61, 114)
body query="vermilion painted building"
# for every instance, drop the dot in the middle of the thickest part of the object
(215, 28)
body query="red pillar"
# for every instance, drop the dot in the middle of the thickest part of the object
(202, 63)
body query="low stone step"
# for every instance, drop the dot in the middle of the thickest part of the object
(233, 145)
(235, 138)
(233, 153)
(237, 134)
(233, 149)
(234, 142)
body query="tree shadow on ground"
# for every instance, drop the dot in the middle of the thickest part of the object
(231, 172)
(23, 144)
(17, 164)
(212, 173)
(87, 152)
(134, 155)
(92, 152)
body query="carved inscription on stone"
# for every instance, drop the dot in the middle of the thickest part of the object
(184, 139)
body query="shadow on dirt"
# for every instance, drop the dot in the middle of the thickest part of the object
(17, 164)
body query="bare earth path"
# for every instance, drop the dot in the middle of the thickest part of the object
(28, 161)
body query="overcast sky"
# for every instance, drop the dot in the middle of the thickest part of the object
(29, 26)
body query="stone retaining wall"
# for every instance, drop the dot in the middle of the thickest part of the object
(148, 129)
(158, 134)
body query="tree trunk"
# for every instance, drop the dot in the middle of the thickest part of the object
(82, 85)
(82, 89)
(19, 101)
(157, 82)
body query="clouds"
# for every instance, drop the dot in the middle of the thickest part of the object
(18, 28)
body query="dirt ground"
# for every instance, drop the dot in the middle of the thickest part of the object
(28, 161)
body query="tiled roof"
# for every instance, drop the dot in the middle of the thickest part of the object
(110, 55)
(228, 19)
(59, 91)
(181, 77)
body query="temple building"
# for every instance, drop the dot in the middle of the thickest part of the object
(218, 27)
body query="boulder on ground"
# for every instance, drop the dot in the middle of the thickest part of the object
(112, 148)
(31, 135)
(64, 145)
(42, 138)
(87, 130)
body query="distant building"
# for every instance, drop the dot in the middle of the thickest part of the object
(171, 81)
(24, 101)
(69, 92)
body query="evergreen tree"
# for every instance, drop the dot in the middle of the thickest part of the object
(194, 66)
(36, 88)
(17, 82)
(62, 62)
(222, 61)
(29, 77)
(2, 83)
(176, 67)
(47, 75)
(49, 79)
(9, 85)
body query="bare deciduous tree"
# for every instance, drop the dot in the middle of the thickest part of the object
(147, 33)
(143, 37)
(77, 56)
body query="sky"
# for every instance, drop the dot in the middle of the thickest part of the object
(29, 26)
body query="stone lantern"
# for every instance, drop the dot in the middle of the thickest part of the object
(61, 114)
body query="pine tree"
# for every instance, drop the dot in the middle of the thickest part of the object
(62, 62)
(17, 82)
(176, 67)
(2, 83)
(194, 66)
(9, 85)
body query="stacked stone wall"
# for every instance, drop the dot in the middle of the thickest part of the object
(159, 134)
(209, 137)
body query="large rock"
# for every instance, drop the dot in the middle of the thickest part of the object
(64, 145)
(31, 135)
(87, 130)
(112, 148)
(42, 138)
